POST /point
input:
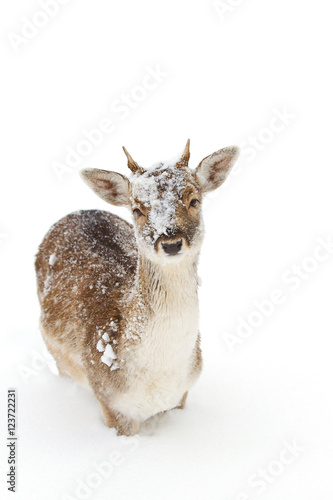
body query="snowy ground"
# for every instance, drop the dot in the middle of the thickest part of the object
(245, 410)
(258, 424)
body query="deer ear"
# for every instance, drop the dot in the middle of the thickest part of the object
(110, 186)
(213, 170)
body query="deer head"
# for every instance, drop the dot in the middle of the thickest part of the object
(165, 200)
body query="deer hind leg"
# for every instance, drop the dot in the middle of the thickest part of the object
(123, 425)
(55, 352)
(67, 364)
(182, 402)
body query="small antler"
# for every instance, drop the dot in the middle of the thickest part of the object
(183, 162)
(132, 165)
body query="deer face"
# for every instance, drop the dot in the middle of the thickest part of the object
(165, 200)
(166, 204)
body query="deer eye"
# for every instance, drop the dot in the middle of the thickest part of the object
(137, 212)
(194, 203)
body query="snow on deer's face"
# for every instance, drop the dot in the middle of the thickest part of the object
(165, 200)
(166, 205)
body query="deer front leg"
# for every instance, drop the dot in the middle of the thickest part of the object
(124, 426)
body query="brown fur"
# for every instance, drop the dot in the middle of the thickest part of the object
(85, 245)
(88, 267)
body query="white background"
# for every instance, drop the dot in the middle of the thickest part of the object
(226, 76)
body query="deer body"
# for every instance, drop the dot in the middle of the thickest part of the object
(119, 304)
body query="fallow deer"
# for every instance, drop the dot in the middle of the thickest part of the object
(119, 302)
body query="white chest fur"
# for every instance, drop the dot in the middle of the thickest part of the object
(159, 367)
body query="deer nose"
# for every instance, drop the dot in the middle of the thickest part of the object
(172, 248)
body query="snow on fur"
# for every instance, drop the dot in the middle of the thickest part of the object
(159, 189)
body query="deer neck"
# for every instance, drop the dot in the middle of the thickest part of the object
(164, 295)
(163, 286)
